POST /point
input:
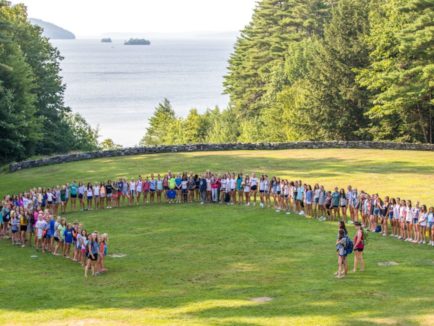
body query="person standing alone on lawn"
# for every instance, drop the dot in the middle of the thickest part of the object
(359, 246)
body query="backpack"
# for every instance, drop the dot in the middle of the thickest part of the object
(349, 246)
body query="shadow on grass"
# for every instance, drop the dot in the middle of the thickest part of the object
(210, 265)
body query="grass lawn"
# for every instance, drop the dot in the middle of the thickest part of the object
(202, 265)
(408, 174)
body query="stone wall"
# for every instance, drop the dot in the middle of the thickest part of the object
(217, 147)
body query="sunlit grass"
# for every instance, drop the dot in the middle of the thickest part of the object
(196, 265)
(407, 174)
(201, 265)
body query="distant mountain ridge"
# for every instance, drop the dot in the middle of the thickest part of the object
(52, 31)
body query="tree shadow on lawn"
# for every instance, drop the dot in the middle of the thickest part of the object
(266, 258)
(103, 169)
(203, 298)
(312, 167)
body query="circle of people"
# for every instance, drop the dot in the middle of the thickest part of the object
(35, 211)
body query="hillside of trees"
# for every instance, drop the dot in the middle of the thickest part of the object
(321, 70)
(52, 31)
(33, 117)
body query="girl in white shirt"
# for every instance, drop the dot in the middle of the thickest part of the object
(422, 223)
(96, 192)
(246, 186)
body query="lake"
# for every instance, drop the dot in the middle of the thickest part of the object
(117, 87)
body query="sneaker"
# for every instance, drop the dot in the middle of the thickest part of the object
(288, 213)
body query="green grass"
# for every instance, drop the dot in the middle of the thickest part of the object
(201, 265)
(408, 174)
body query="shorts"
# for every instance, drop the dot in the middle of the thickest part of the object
(376, 212)
(316, 200)
(74, 196)
(261, 191)
(95, 257)
(30, 228)
(343, 206)
(430, 225)
(80, 196)
(89, 197)
(56, 239)
(49, 202)
(109, 195)
(23, 228)
(335, 206)
(14, 230)
(152, 190)
(68, 243)
(308, 203)
(278, 192)
(132, 192)
(415, 220)
(358, 249)
(184, 191)
(254, 188)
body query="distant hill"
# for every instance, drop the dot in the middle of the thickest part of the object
(52, 31)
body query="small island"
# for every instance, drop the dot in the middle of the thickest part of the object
(106, 40)
(137, 41)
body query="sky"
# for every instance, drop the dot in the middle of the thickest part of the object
(94, 18)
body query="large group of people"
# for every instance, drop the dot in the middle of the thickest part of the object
(35, 210)
(28, 223)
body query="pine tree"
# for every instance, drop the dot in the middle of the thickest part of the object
(159, 124)
(336, 103)
(262, 48)
(401, 70)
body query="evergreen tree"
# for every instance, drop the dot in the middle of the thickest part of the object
(336, 103)
(401, 70)
(262, 47)
(159, 124)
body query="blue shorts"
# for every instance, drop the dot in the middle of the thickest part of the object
(430, 224)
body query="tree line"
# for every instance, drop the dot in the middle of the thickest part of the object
(34, 119)
(321, 70)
